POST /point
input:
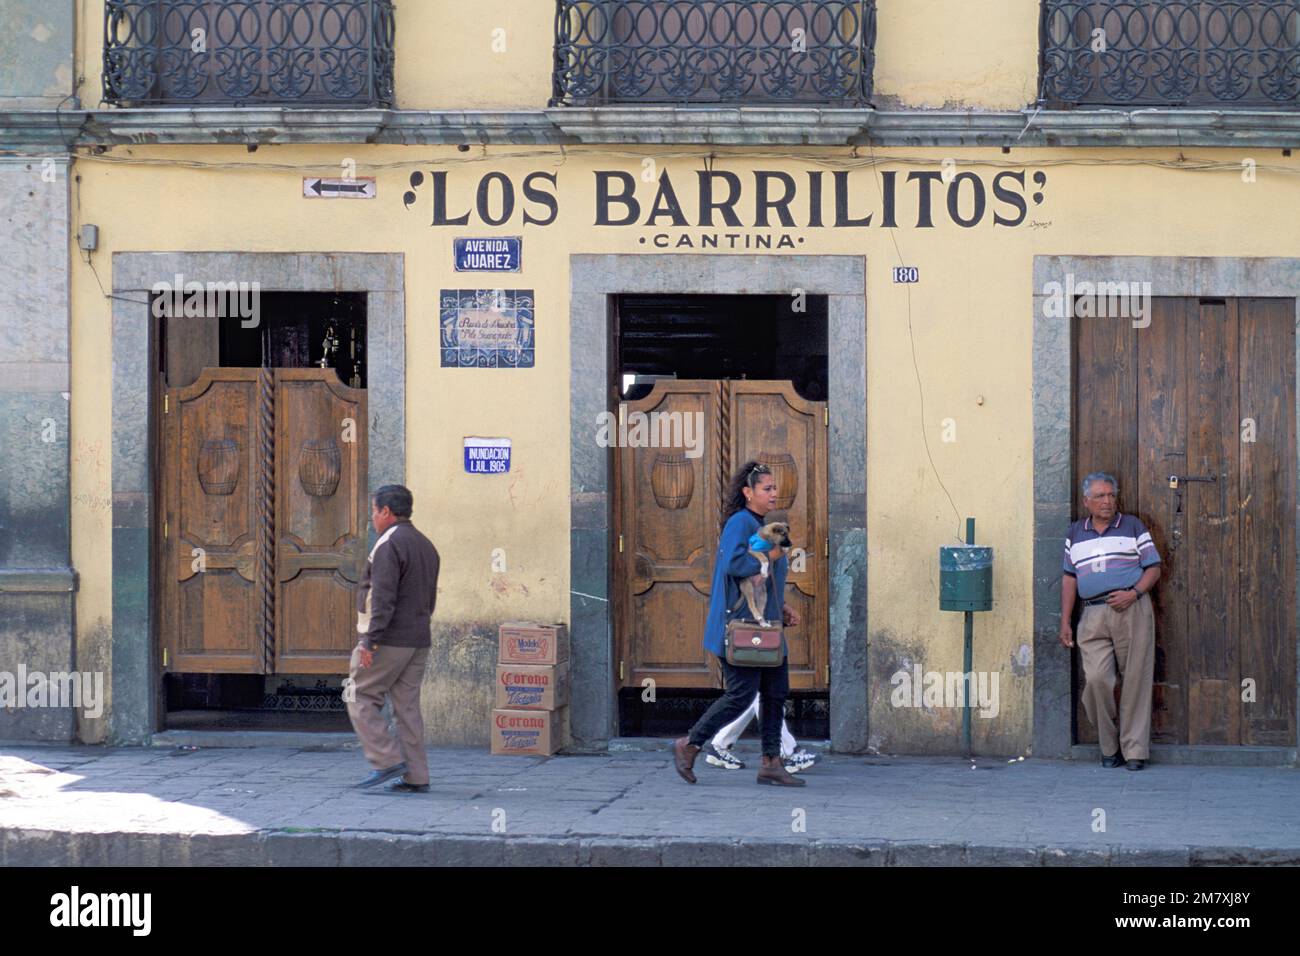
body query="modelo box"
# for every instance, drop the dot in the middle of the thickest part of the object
(533, 686)
(529, 731)
(522, 642)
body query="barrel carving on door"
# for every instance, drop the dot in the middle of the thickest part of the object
(320, 467)
(786, 474)
(218, 466)
(672, 479)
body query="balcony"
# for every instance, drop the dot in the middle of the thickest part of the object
(288, 53)
(1243, 54)
(732, 52)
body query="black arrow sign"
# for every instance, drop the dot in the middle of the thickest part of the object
(320, 187)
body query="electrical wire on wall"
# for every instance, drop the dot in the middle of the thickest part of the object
(916, 367)
(1181, 164)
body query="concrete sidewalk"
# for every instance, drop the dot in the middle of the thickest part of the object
(291, 807)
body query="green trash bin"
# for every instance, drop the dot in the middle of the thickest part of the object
(965, 578)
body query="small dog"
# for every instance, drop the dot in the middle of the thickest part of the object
(767, 545)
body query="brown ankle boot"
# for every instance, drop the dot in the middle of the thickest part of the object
(684, 754)
(772, 771)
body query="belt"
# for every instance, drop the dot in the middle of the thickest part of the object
(1101, 598)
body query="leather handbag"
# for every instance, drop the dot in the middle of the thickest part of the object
(749, 644)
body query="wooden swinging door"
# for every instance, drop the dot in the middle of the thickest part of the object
(264, 521)
(668, 505)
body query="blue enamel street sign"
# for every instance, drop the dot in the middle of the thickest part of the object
(503, 254)
(487, 456)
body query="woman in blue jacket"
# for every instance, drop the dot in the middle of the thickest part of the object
(750, 496)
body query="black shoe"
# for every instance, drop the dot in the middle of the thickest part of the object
(1114, 760)
(401, 786)
(376, 777)
(1136, 764)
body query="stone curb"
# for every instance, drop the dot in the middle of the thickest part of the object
(27, 847)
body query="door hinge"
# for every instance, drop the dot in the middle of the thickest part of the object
(827, 552)
(826, 416)
(164, 529)
(620, 544)
(164, 657)
(828, 674)
(620, 670)
(166, 405)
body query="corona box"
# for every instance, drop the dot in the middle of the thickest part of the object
(532, 686)
(539, 732)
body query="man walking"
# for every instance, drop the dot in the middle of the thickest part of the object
(395, 600)
(1111, 564)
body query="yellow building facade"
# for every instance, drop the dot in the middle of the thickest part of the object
(936, 229)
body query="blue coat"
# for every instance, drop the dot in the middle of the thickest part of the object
(732, 563)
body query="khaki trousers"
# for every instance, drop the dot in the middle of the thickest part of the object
(1119, 645)
(397, 672)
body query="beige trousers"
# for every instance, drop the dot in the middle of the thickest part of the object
(1119, 645)
(397, 672)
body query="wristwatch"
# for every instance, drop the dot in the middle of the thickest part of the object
(1136, 591)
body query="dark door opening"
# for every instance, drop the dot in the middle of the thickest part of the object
(755, 369)
(310, 331)
(739, 337)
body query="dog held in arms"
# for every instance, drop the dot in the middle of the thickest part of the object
(767, 545)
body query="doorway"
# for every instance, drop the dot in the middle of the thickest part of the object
(750, 371)
(262, 525)
(1204, 394)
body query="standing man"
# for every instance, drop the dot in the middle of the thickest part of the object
(1112, 565)
(395, 600)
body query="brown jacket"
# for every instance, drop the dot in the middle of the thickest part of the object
(398, 589)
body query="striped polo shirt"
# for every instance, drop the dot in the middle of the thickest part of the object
(1109, 561)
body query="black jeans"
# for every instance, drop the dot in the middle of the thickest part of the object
(742, 683)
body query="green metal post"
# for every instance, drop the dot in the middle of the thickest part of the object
(967, 656)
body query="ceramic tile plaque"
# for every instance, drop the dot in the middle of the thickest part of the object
(487, 328)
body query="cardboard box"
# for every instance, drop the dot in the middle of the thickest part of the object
(523, 642)
(533, 686)
(529, 731)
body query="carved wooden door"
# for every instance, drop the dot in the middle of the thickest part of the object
(320, 519)
(771, 424)
(217, 567)
(669, 500)
(264, 521)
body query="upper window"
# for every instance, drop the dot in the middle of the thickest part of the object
(248, 52)
(1243, 53)
(714, 51)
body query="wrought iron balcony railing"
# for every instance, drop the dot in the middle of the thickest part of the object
(1235, 53)
(714, 51)
(248, 52)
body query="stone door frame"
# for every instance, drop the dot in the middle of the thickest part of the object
(1053, 380)
(381, 276)
(593, 282)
